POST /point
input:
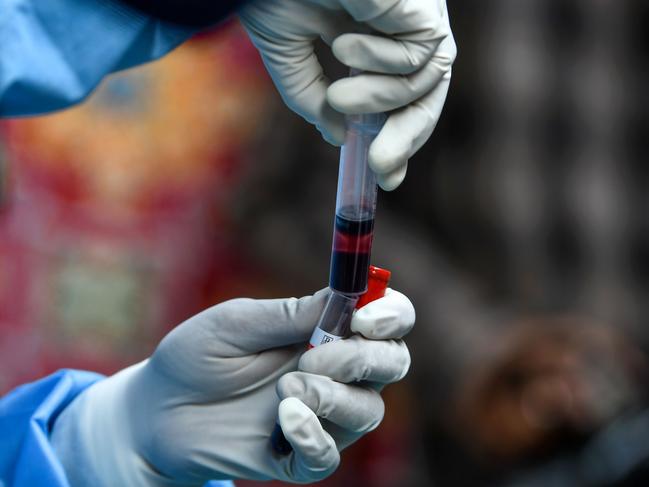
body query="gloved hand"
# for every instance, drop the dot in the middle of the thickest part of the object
(204, 405)
(405, 47)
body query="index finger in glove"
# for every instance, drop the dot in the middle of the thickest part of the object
(372, 93)
(419, 17)
(413, 30)
(398, 55)
(358, 359)
(391, 316)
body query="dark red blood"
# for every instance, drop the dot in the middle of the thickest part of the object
(350, 258)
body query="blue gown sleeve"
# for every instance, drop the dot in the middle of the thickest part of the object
(27, 415)
(26, 418)
(55, 52)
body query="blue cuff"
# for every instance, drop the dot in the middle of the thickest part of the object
(26, 418)
(27, 415)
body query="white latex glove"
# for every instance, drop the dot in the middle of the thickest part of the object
(405, 47)
(204, 405)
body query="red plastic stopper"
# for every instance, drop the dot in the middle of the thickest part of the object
(377, 283)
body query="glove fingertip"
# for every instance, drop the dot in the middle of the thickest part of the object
(390, 317)
(337, 94)
(341, 46)
(333, 137)
(386, 154)
(292, 412)
(315, 449)
(392, 180)
(350, 50)
(332, 126)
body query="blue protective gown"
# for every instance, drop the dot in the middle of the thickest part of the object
(27, 415)
(53, 53)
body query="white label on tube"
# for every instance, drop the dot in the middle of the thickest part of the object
(320, 337)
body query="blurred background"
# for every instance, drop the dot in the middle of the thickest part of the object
(521, 235)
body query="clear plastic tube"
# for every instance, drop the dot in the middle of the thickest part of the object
(352, 239)
(355, 208)
(353, 229)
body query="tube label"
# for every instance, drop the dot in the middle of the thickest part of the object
(320, 337)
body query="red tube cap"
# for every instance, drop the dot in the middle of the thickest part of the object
(377, 283)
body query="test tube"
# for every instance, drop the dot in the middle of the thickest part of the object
(353, 228)
(352, 241)
(355, 208)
